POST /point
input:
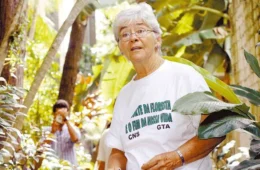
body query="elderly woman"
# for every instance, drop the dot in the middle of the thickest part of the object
(145, 133)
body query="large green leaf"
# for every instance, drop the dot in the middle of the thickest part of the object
(115, 77)
(211, 19)
(117, 73)
(252, 95)
(220, 123)
(253, 129)
(248, 165)
(252, 61)
(196, 37)
(255, 148)
(200, 103)
(215, 58)
(206, 103)
(213, 82)
(189, 40)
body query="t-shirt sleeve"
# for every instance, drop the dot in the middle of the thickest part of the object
(113, 139)
(198, 85)
(101, 153)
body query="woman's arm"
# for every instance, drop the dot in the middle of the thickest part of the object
(192, 150)
(117, 160)
(100, 165)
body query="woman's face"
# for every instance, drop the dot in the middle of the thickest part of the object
(137, 41)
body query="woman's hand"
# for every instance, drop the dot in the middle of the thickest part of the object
(165, 161)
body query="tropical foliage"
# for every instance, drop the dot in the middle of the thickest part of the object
(225, 117)
(194, 31)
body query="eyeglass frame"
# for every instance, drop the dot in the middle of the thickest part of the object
(130, 34)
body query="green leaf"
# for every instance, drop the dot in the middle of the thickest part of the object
(252, 95)
(252, 61)
(189, 40)
(213, 82)
(200, 103)
(253, 129)
(243, 110)
(4, 114)
(21, 114)
(115, 77)
(185, 24)
(4, 143)
(4, 123)
(220, 123)
(196, 38)
(18, 133)
(5, 152)
(248, 164)
(208, 34)
(167, 19)
(3, 89)
(1, 159)
(13, 139)
(255, 148)
(211, 19)
(216, 57)
(2, 133)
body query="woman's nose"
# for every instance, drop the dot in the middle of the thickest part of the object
(133, 37)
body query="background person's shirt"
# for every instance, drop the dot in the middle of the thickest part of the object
(103, 150)
(63, 146)
(143, 124)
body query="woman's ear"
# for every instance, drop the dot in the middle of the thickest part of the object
(159, 41)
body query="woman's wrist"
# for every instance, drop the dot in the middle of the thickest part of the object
(181, 158)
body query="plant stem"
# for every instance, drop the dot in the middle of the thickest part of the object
(197, 7)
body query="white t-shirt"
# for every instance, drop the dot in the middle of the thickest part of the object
(103, 150)
(143, 124)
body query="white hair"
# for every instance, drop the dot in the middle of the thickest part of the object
(141, 11)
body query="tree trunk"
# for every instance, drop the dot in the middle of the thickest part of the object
(78, 7)
(15, 79)
(34, 19)
(10, 13)
(71, 67)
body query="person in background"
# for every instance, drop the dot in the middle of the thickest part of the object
(145, 133)
(103, 151)
(66, 134)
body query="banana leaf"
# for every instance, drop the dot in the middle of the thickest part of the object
(253, 128)
(252, 61)
(255, 149)
(213, 82)
(252, 95)
(248, 164)
(206, 103)
(220, 123)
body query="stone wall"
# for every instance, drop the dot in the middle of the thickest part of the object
(245, 29)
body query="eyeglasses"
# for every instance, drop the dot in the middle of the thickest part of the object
(125, 36)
